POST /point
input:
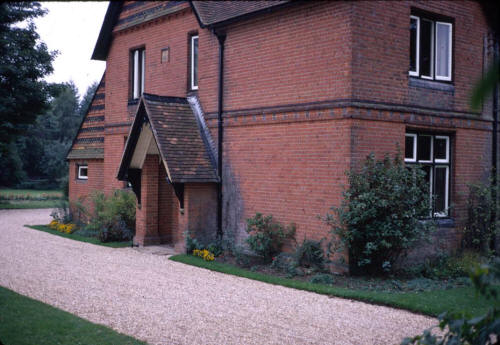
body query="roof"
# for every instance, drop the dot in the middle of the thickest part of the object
(211, 13)
(208, 13)
(86, 153)
(178, 138)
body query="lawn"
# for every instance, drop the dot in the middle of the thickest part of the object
(25, 321)
(29, 198)
(430, 303)
(77, 237)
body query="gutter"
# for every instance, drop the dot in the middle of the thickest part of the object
(221, 37)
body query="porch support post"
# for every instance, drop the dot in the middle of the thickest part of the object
(146, 222)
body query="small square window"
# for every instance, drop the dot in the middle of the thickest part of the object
(83, 172)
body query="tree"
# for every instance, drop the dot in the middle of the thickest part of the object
(87, 98)
(24, 61)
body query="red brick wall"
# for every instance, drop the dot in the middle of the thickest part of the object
(381, 41)
(291, 167)
(82, 189)
(168, 210)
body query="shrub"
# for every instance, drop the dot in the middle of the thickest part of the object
(310, 254)
(457, 329)
(380, 214)
(192, 244)
(113, 215)
(322, 278)
(480, 225)
(267, 236)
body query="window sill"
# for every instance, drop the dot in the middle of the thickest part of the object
(81, 180)
(431, 84)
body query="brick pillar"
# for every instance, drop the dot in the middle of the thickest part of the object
(146, 222)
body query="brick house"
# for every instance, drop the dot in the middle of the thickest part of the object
(214, 111)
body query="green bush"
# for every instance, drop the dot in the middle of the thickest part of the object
(62, 213)
(481, 225)
(456, 328)
(113, 215)
(310, 254)
(322, 278)
(267, 236)
(381, 214)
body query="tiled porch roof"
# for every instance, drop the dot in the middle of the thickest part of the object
(178, 138)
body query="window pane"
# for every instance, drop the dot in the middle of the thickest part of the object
(440, 190)
(413, 44)
(426, 47)
(143, 61)
(409, 147)
(135, 85)
(440, 149)
(424, 143)
(194, 62)
(443, 53)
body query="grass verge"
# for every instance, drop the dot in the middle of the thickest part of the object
(25, 204)
(80, 238)
(430, 303)
(8, 192)
(25, 321)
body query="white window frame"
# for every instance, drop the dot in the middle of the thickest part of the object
(138, 72)
(414, 136)
(193, 38)
(434, 164)
(417, 62)
(433, 53)
(447, 159)
(80, 176)
(433, 75)
(450, 46)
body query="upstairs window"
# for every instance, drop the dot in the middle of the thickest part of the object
(194, 62)
(83, 172)
(432, 152)
(430, 48)
(137, 69)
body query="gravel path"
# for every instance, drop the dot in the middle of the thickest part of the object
(164, 302)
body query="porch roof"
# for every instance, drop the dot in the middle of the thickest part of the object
(177, 136)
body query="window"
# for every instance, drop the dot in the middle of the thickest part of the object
(194, 63)
(137, 64)
(83, 172)
(432, 152)
(430, 48)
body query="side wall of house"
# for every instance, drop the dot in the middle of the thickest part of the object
(88, 149)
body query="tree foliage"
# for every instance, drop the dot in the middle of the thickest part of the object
(381, 214)
(24, 61)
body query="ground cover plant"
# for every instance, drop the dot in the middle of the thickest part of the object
(24, 321)
(433, 300)
(77, 237)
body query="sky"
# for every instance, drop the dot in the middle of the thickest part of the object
(72, 28)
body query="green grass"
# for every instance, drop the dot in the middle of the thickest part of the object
(26, 204)
(6, 192)
(24, 321)
(430, 303)
(77, 237)
(29, 198)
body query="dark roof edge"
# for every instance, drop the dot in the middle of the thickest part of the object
(105, 35)
(164, 99)
(245, 16)
(193, 8)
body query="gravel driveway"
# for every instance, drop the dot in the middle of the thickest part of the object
(164, 302)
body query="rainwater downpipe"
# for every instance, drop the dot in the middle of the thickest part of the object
(221, 37)
(494, 149)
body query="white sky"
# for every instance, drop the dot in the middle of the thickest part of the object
(72, 28)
